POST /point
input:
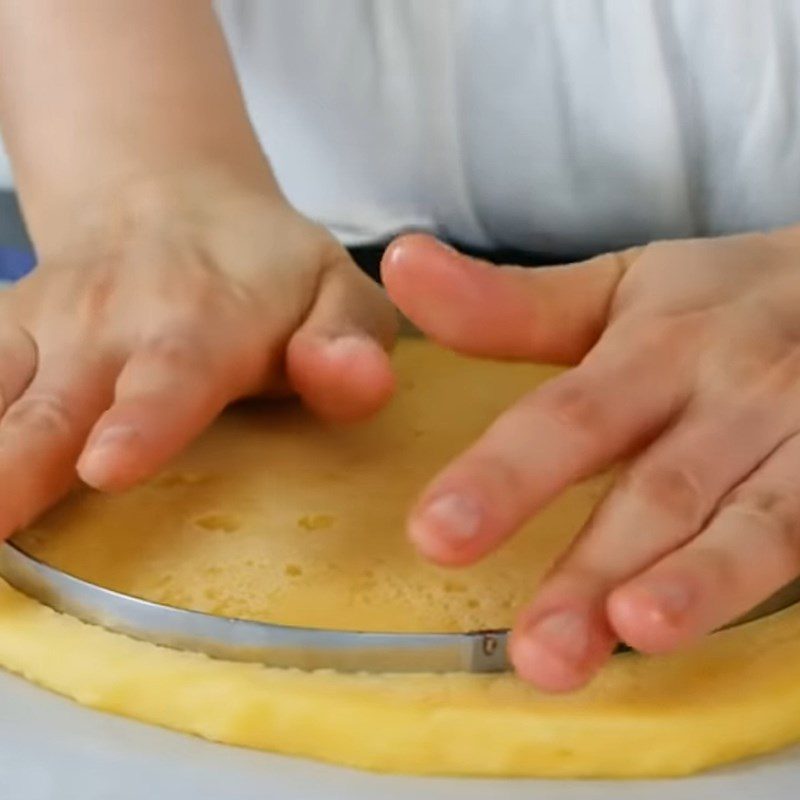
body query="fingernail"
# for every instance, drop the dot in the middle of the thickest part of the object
(346, 346)
(671, 600)
(564, 632)
(92, 462)
(451, 516)
(113, 437)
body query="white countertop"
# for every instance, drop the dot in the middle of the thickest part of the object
(52, 749)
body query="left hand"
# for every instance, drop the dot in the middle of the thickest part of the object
(687, 367)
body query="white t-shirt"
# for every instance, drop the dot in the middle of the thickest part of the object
(553, 125)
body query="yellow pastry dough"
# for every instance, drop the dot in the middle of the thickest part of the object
(274, 516)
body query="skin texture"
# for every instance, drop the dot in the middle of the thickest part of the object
(173, 276)
(687, 367)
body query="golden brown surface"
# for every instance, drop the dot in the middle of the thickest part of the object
(276, 517)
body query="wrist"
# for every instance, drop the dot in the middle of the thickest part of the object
(108, 207)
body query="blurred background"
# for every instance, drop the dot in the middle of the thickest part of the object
(16, 253)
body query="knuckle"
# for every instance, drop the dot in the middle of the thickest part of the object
(502, 478)
(98, 292)
(674, 490)
(718, 565)
(509, 478)
(773, 513)
(18, 356)
(784, 375)
(177, 349)
(43, 413)
(765, 368)
(572, 406)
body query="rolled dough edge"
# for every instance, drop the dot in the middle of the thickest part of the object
(735, 695)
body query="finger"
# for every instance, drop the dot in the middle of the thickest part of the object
(565, 431)
(553, 314)
(17, 363)
(749, 550)
(561, 643)
(171, 388)
(42, 433)
(337, 360)
(661, 502)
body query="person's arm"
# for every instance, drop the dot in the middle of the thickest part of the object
(98, 96)
(173, 277)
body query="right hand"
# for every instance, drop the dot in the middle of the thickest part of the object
(128, 339)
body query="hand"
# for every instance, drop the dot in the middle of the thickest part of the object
(688, 370)
(127, 340)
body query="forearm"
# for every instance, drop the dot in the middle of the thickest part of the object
(99, 94)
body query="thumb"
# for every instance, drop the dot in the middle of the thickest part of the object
(552, 314)
(337, 359)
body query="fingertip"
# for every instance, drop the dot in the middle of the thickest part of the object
(437, 552)
(110, 460)
(344, 379)
(540, 667)
(446, 528)
(408, 247)
(417, 265)
(560, 650)
(651, 620)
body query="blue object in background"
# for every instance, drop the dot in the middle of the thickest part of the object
(15, 263)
